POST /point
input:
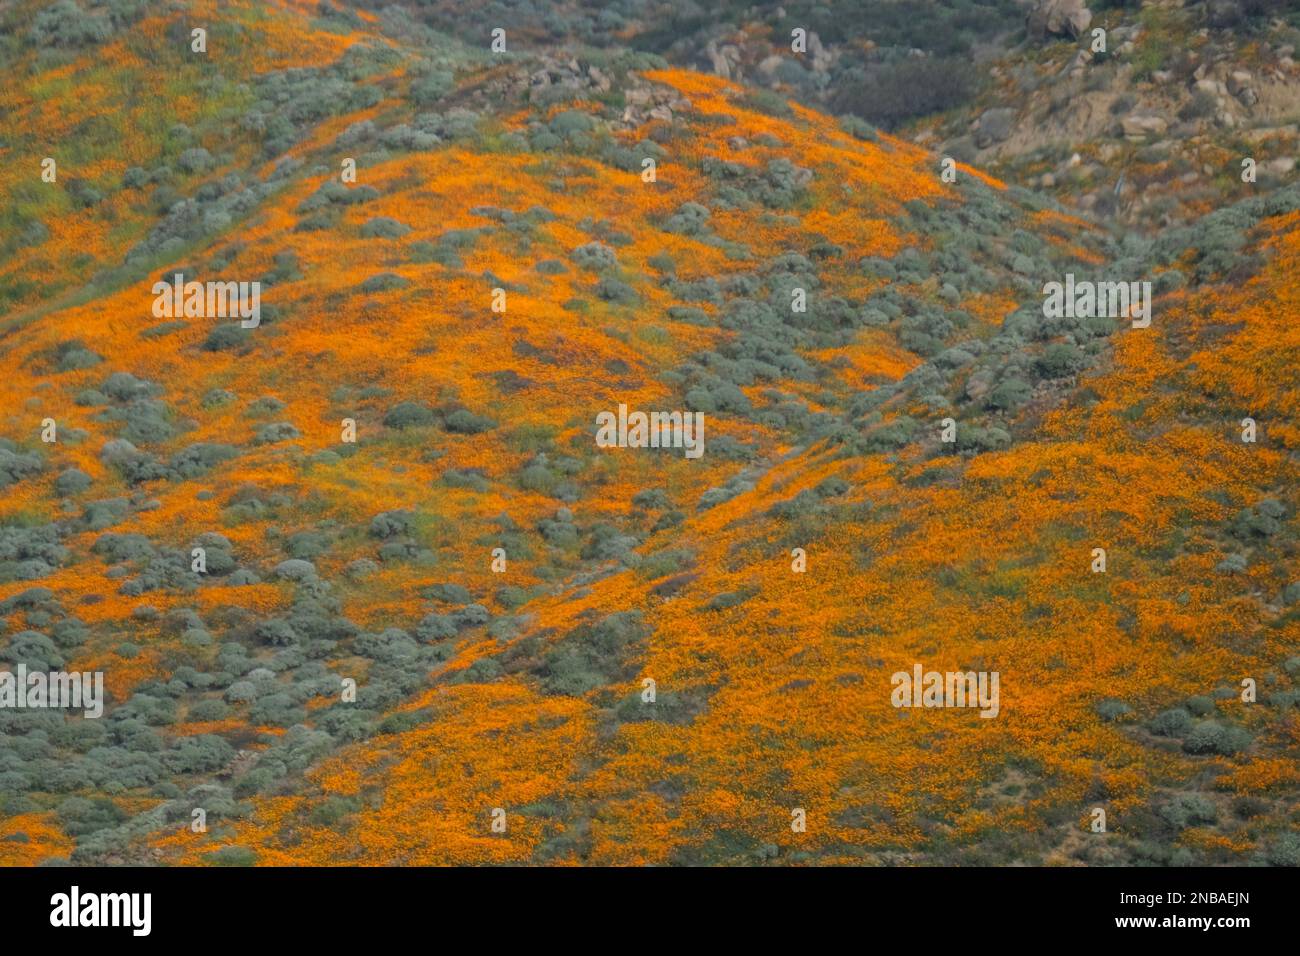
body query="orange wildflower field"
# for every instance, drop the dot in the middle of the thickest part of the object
(363, 585)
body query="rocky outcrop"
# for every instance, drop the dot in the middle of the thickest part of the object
(1058, 18)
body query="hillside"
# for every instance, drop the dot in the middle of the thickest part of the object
(394, 481)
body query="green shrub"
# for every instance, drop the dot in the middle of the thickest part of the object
(65, 24)
(232, 856)
(1284, 850)
(384, 227)
(433, 86)
(409, 415)
(1209, 737)
(892, 93)
(592, 655)
(1174, 722)
(1189, 810)
(464, 422)
(384, 282)
(1110, 709)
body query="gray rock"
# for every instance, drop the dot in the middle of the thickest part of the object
(994, 126)
(1142, 125)
(1060, 18)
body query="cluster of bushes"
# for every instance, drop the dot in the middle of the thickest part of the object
(1262, 520)
(739, 483)
(292, 100)
(894, 90)
(213, 208)
(159, 568)
(652, 500)
(73, 356)
(1235, 14)
(452, 418)
(1192, 724)
(589, 657)
(980, 381)
(393, 529)
(321, 209)
(678, 708)
(757, 306)
(29, 552)
(429, 85)
(575, 130)
(551, 475)
(980, 241)
(269, 671)
(147, 420)
(137, 466)
(69, 25)
(448, 248)
(425, 131)
(630, 159)
(778, 184)
(1213, 243)
(15, 465)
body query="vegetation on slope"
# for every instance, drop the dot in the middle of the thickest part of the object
(522, 689)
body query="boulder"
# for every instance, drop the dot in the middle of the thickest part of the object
(1240, 85)
(1058, 18)
(1143, 125)
(994, 126)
